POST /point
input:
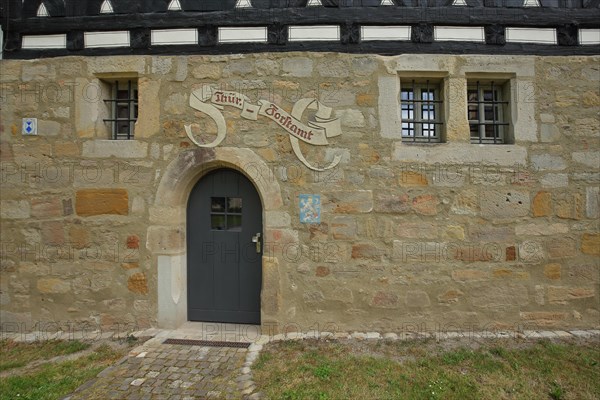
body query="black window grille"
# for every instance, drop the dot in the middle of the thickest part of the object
(420, 112)
(123, 109)
(487, 113)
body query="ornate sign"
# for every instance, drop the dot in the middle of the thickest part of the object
(310, 208)
(210, 101)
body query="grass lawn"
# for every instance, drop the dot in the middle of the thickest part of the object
(15, 355)
(429, 370)
(50, 380)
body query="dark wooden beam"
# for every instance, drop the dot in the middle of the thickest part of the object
(457, 16)
(383, 48)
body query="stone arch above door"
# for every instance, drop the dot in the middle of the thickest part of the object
(166, 236)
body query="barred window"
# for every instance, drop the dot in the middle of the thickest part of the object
(487, 112)
(420, 105)
(123, 109)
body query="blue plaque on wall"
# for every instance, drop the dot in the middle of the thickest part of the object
(310, 208)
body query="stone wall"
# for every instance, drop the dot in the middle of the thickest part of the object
(443, 236)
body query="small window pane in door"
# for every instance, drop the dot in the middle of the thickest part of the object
(234, 205)
(217, 222)
(217, 204)
(234, 223)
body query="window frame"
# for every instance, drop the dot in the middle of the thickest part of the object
(419, 106)
(130, 104)
(500, 104)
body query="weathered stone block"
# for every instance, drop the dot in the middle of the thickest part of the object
(281, 236)
(587, 158)
(90, 202)
(333, 69)
(592, 209)
(454, 232)
(267, 67)
(504, 204)
(161, 65)
(544, 318)
(133, 242)
(207, 71)
(367, 250)
(499, 296)
(396, 203)
(417, 299)
(53, 286)
(115, 148)
(542, 162)
(364, 66)
(563, 247)
(563, 294)
(389, 114)
(462, 153)
(37, 72)
(46, 207)
(510, 274)
(6, 155)
(511, 253)
(128, 266)
(367, 154)
(474, 253)
(176, 103)
(239, 67)
(468, 275)
(351, 118)
(590, 99)
(349, 202)
(542, 204)
(313, 297)
(409, 178)
(590, 243)
(138, 283)
(417, 230)
(450, 296)
(52, 233)
(466, 203)
(15, 209)
(541, 228)
(366, 100)
(570, 206)
(271, 294)
(555, 180)
(343, 228)
(549, 133)
(48, 128)
(148, 123)
(165, 239)
(66, 149)
(298, 67)
(491, 234)
(552, 271)
(383, 299)
(277, 219)
(425, 204)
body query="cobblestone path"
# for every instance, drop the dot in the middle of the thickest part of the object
(170, 372)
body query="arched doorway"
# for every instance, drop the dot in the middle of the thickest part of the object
(224, 256)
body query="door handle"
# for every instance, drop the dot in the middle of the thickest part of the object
(256, 239)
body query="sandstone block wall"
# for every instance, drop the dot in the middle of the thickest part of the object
(444, 236)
